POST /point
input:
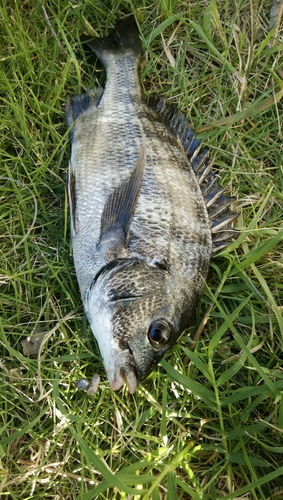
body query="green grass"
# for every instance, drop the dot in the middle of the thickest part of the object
(208, 423)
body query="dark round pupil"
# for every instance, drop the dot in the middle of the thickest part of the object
(156, 334)
(159, 334)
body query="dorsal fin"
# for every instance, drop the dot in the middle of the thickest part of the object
(217, 203)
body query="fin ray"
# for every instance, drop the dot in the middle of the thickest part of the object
(79, 103)
(217, 203)
(72, 197)
(120, 207)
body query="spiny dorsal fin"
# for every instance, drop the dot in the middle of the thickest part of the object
(120, 208)
(217, 203)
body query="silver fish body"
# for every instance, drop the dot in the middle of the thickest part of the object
(141, 228)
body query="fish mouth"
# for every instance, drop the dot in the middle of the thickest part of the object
(118, 359)
(124, 372)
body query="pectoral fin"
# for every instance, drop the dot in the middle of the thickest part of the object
(120, 208)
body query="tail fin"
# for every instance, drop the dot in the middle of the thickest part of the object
(124, 38)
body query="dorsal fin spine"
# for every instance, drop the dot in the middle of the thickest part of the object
(217, 204)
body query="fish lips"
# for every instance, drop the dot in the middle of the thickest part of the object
(114, 305)
(125, 372)
(138, 359)
(146, 357)
(135, 363)
(118, 360)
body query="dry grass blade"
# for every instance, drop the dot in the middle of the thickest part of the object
(253, 110)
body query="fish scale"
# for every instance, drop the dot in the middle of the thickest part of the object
(146, 214)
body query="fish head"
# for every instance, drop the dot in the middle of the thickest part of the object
(134, 318)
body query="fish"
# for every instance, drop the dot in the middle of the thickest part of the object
(146, 213)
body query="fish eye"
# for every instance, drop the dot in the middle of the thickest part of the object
(159, 333)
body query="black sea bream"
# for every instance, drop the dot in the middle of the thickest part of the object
(146, 214)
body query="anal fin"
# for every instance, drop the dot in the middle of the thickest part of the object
(79, 103)
(72, 197)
